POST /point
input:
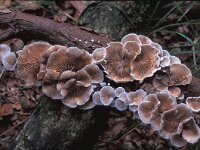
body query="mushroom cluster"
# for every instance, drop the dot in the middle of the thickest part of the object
(65, 73)
(76, 77)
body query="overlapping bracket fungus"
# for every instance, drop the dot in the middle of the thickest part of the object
(76, 77)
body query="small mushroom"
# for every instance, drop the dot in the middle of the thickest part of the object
(117, 63)
(9, 60)
(174, 60)
(28, 62)
(193, 103)
(146, 108)
(166, 102)
(49, 89)
(75, 94)
(107, 95)
(95, 73)
(119, 90)
(159, 85)
(99, 54)
(175, 91)
(165, 59)
(191, 131)
(133, 49)
(179, 74)
(177, 140)
(145, 64)
(172, 120)
(131, 37)
(135, 99)
(144, 39)
(121, 103)
(96, 98)
(4, 48)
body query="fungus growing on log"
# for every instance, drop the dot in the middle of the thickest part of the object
(28, 62)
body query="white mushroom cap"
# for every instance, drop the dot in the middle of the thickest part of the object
(107, 95)
(9, 60)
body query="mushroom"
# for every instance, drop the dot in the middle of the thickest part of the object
(135, 99)
(88, 105)
(174, 60)
(193, 103)
(95, 73)
(62, 60)
(75, 93)
(146, 108)
(119, 90)
(165, 59)
(28, 62)
(144, 39)
(166, 102)
(121, 103)
(177, 140)
(133, 49)
(9, 60)
(96, 98)
(131, 37)
(145, 64)
(4, 48)
(117, 63)
(171, 120)
(175, 91)
(158, 84)
(107, 95)
(191, 131)
(49, 89)
(179, 74)
(99, 54)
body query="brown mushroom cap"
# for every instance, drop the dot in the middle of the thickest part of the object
(145, 64)
(117, 63)
(193, 103)
(179, 74)
(96, 98)
(4, 48)
(166, 102)
(131, 37)
(191, 131)
(144, 39)
(95, 73)
(175, 91)
(107, 95)
(49, 89)
(75, 94)
(172, 120)
(177, 140)
(135, 99)
(119, 90)
(28, 62)
(158, 84)
(99, 54)
(133, 49)
(9, 60)
(73, 59)
(146, 108)
(83, 78)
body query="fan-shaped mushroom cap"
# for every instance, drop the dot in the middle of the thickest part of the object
(174, 60)
(107, 95)
(73, 59)
(83, 78)
(64, 77)
(179, 74)
(165, 59)
(117, 63)
(9, 60)
(135, 99)
(131, 37)
(166, 102)
(145, 64)
(28, 62)
(99, 54)
(95, 73)
(120, 104)
(191, 131)
(75, 94)
(96, 98)
(133, 49)
(158, 84)
(4, 48)
(144, 39)
(124, 97)
(119, 90)
(146, 108)
(177, 140)
(193, 103)
(175, 91)
(49, 89)
(172, 120)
